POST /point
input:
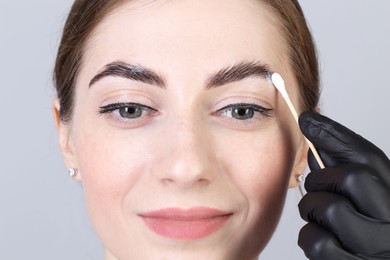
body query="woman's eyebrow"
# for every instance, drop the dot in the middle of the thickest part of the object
(236, 72)
(129, 71)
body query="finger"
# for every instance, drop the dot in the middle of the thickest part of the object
(319, 244)
(339, 142)
(358, 184)
(355, 232)
(328, 160)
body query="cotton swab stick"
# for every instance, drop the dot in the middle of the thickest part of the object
(278, 82)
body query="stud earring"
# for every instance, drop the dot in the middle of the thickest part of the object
(72, 172)
(300, 178)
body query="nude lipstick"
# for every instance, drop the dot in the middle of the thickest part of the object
(185, 224)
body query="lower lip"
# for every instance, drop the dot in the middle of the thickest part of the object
(185, 228)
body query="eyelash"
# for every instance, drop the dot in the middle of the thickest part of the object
(141, 109)
(111, 108)
(264, 112)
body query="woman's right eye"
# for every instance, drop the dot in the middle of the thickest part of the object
(128, 111)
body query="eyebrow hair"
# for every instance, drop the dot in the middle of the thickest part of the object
(129, 71)
(239, 72)
(236, 72)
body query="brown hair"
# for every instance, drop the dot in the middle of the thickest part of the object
(302, 50)
(85, 15)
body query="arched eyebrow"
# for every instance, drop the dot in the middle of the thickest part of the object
(129, 71)
(236, 72)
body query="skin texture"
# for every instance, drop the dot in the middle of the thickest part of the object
(187, 152)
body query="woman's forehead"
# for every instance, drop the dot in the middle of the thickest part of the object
(192, 30)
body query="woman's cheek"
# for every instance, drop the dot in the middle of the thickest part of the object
(110, 167)
(259, 163)
(260, 166)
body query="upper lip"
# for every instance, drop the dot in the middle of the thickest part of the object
(191, 214)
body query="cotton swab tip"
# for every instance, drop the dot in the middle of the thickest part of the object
(278, 82)
(277, 78)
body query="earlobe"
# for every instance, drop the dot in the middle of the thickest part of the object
(65, 139)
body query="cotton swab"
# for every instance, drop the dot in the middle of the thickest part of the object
(278, 82)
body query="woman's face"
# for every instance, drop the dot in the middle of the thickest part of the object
(184, 148)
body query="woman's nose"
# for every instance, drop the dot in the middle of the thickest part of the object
(189, 155)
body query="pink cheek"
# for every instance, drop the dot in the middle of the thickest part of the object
(265, 173)
(109, 170)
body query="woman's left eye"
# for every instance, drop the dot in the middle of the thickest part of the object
(244, 111)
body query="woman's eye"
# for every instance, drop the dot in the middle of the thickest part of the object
(130, 112)
(127, 110)
(244, 111)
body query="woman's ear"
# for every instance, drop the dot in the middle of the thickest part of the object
(300, 164)
(65, 140)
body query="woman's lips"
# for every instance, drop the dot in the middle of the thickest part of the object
(185, 224)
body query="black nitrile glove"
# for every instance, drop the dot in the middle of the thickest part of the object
(348, 203)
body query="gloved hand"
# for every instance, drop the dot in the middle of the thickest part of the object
(348, 203)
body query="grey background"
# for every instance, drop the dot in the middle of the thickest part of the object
(42, 213)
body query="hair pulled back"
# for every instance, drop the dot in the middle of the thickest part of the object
(85, 15)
